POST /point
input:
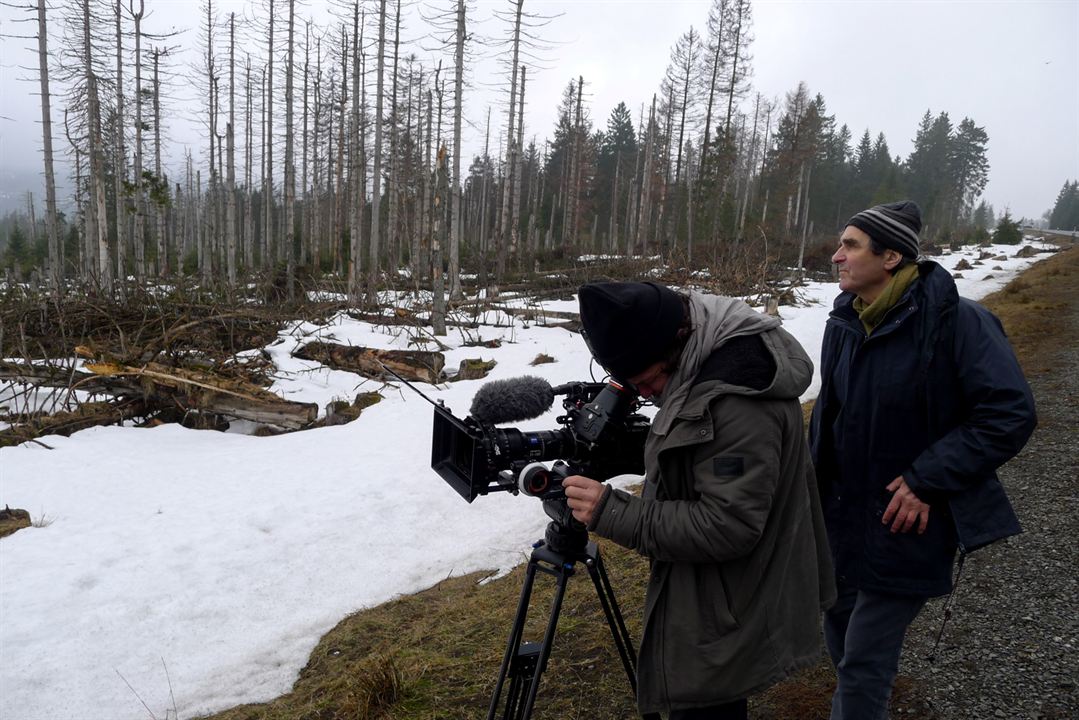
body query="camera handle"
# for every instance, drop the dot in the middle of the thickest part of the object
(524, 662)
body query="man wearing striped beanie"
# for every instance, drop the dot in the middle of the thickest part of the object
(921, 401)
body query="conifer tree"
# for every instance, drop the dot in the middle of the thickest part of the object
(1007, 231)
(1065, 212)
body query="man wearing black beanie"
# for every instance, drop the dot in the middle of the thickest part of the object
(921, 400)
(729, 514)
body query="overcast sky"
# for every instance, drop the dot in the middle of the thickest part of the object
(1011, 66)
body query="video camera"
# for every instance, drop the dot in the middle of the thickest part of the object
(602, 435)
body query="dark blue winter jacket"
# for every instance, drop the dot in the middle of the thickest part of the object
(936, 395)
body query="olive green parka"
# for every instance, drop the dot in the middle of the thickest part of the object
(731, 520)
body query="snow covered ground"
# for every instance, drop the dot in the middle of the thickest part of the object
(196, 570)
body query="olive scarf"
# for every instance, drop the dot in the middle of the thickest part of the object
(873, 313)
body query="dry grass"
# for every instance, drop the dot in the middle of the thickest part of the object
(436, 654)
(1033, 305)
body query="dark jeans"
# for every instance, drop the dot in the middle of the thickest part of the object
(864, 633)
(737, 710)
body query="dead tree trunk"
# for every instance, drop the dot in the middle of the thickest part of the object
(100, 233)
(138, 237)
(355, 169)
(393, 185)
(340, 195)
(515, 214)
(249, 195)
(159, 203)
(644, 218)
(455, 180)
(290, 166)
(438, 300)
(502, 236)
(268, 239)
(376, 172)
(230, 180)
(305, 197)
(573, 199)
(316, 164)
(426, 243)
(207, 228)
(55, 264)
(119, 170)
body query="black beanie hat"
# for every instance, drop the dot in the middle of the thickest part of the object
(629, 325)
(894, 225)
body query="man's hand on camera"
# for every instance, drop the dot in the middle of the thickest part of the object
(583, 496)
(905, 507)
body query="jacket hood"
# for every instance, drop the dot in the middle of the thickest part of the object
(794, 369)
(793, 373)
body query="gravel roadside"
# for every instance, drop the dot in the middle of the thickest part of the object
(1011, 646)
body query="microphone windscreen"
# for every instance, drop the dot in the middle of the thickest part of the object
(511, 400)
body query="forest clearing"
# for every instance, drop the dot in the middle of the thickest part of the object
(231, 232)
(202, 568)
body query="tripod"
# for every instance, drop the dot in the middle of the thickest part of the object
(566, 544)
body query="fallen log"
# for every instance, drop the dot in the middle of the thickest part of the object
(65, 423)
(193, 390)
(418, 365)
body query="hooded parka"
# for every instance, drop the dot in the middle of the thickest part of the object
(731, 520)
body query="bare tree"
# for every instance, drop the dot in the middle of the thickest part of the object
(140, 205)
(455, 183)
(713, 59)
(119, 170)
(376, 172)
(644, 217)
(515, 214)
(249, 200)
(207, 229)
(438, 299)
(161, 184)
(55, 267)
(268, 238)
(356, 163)
(502, 229)
(290, 170)
(97, 169)
(230, 180)
(393, 185)
(742, 16)
(305, 197)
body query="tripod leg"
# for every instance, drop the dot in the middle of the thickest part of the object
(615, 622)
(513, 644)
(564, 573)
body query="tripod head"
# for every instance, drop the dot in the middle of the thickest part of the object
(565, 534)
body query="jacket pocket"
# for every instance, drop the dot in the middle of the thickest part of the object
(912, 562)
(715, 603)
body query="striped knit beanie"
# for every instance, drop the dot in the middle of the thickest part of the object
(893, 225)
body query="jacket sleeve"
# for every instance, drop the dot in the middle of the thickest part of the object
(735, 476)
(999, 416)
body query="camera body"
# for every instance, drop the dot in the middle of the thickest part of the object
(601, 435)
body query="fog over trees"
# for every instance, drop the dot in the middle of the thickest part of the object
(332, 154)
